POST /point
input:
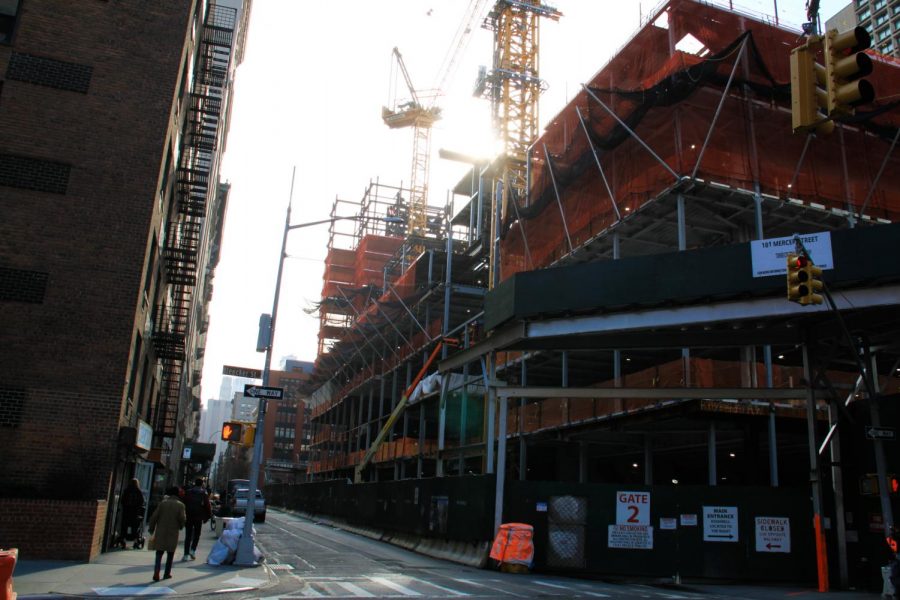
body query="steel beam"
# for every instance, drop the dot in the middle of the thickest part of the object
(651, 393)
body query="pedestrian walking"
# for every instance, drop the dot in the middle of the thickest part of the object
(199, 511)
(165, 523)
(132, 513)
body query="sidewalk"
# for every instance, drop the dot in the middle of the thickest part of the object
(126, 573)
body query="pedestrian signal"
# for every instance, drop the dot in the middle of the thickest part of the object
(232, 431)
(803, 280)
(845, 66)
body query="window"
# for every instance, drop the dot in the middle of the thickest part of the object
(881, 19)
(883, 35)
(879, 5)
(9, 10)
(864, 15)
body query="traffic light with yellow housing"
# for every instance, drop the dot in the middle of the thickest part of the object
(232, 431)
(249, 434)
(845, 66)
(803, 280)
(809, 95)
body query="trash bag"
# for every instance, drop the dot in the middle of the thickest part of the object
(220, 554)
(230, 538)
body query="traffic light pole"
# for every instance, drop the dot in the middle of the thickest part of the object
(245, 555)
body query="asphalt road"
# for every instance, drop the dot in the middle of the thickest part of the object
(315, 560)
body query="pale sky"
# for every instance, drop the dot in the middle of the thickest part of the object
(309, 94)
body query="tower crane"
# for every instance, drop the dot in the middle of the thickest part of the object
(421, 111)
(514, 86)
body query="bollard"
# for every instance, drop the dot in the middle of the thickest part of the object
(7, 566)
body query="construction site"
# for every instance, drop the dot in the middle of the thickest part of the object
(595, 311)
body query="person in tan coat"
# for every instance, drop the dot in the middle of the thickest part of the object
(165, 523)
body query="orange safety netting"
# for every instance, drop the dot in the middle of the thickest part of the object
(670, 98)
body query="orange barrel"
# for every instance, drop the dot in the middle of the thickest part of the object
(7, 566)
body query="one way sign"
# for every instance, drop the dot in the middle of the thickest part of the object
(260, 391)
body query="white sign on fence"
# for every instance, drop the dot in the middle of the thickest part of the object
(633, 508)
(720, 524)
(630, 537)
(769, 257)
(773, 534)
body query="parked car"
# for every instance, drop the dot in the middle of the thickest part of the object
(238, 505)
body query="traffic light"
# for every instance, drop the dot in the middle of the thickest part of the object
(845, 65)
(249, 435)
(232, 431)
(803, 280)
(868, 484)
(809, 94)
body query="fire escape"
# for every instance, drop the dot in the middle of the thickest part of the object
(193, 183)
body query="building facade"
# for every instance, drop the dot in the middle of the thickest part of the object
(881, 18)
(112, 222)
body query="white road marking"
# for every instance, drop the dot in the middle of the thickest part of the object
(395, 586)
(595, 594)
(493, 589)
(133, 591)
(354, 589)
(443, 589)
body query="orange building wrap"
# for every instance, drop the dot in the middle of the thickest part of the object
(671, 100)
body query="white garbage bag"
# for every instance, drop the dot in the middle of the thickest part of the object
(230, 538)
(220, 554)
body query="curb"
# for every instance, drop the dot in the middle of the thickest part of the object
(472, 554)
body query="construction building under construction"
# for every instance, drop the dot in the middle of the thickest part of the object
(615, 323)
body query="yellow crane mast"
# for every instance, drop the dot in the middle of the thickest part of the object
(513, 86)
(410, 112)
(420, 112)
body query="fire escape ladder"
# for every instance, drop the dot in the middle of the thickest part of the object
(192, 185)
(169, 395)
(181, 251)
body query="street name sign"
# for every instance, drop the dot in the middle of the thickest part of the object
(242, 372)
(881, 433)
(259, 391)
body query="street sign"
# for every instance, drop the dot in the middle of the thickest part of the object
(881, 433)
(720, 524)
(242, 372)
(773, 534)
(259, 391)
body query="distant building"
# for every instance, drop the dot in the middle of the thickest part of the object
(114, 117)
(287, 435)
(881, 18)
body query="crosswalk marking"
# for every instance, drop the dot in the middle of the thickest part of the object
(395, 586)
(493, 589)
(553, 585)
(354, 589)
(595, 594)
(445, 589)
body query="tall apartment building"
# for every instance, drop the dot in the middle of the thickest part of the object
(114, 116)
(881, 18)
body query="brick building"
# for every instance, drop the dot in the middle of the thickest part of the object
(286, 433)
(113, 117)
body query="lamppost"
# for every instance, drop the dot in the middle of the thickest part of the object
(244, 555)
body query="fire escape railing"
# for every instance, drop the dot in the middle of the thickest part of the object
(182, 249)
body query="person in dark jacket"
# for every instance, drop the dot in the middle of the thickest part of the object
(165, 523)
(132, 511)
(199, 511)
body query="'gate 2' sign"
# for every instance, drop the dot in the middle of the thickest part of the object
(720, 524)
(632, 508)
(632, 530)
